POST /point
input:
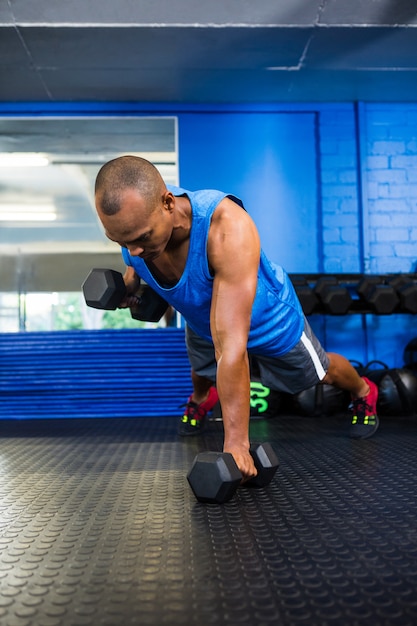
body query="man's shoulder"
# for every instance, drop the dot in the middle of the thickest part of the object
(205, 196)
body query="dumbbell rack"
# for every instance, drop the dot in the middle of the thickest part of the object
(344, 294)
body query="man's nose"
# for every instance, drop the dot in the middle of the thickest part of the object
(135, 250)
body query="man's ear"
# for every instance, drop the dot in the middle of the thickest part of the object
(169, 200)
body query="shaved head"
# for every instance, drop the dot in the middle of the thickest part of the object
(127, 172)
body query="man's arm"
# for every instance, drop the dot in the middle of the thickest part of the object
(233, 253)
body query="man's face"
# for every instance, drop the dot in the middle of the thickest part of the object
(145, 231)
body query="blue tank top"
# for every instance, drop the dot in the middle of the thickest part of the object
(277, 320)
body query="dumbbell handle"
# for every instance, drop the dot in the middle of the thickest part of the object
(137, 300)
(266, 463)
(125, 294)
(141, 304)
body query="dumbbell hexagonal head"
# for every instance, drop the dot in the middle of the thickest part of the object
(266, 462)
(214, 477)
(408, 297)
(306, 296)
(104, 289)
(151, 306)
(334, 296)
(382, 298)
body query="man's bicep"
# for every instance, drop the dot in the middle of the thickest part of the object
(234, 291)
(234, 252)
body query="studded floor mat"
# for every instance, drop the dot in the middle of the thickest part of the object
(98, 527)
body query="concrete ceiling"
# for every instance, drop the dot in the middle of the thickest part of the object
(219, 51)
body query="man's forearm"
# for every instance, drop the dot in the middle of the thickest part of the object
(233, 386)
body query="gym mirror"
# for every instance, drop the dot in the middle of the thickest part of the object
(50, 236)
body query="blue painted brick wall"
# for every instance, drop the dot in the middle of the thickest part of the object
(389, 188)
(391, 176)
(387, 146)
(339, 189)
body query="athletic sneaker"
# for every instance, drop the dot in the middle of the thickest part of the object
(194, 418)
(365, 420)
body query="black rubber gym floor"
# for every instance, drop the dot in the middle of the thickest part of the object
(98, 526)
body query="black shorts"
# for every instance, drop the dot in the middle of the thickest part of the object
(300, 368)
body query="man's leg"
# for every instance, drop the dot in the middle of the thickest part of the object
(307, 364)
(201, 387)
(341, 373)
(203, 376)
(364, 394)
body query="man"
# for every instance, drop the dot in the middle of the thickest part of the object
(201, 252)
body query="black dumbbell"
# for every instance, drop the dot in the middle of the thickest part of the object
(214, 476)
(306, 295)
(105, 289)
(381, 298)
(406, 289)
(408, 297)
(335, 298)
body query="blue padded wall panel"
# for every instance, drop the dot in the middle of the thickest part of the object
(269, 160)
(114, 373)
